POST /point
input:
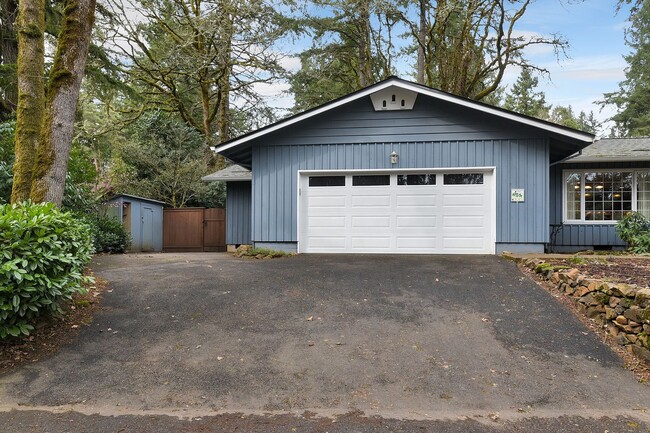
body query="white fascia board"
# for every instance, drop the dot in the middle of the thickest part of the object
(577, 135)
(586, 160)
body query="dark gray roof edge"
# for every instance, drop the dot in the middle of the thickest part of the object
(137, 198)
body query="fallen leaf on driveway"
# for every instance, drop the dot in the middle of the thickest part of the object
(485, 319)
(219, 358)
(310, 318)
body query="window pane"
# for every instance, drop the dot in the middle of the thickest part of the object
(643, 193)
(416, 179)
(573, 196)
(326, 180)
(371, 180)
(608, 195)
(463, 179)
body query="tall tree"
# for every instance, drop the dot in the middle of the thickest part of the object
(195, 57)
(633, 97)
(31, 94)
(352, 48)
(465, 46)
(44, 121)
(523, 97)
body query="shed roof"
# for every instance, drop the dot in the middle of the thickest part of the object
(135, 197)
(614, 149)
(239, 149)
(231, 173)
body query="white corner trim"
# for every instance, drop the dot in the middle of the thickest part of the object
(577, 135)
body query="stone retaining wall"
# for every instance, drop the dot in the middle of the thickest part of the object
(623, 309)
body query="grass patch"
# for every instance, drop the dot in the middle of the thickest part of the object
(260, 253)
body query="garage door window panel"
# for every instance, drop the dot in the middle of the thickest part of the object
(463, 179)
(324, 181)
(416, 179)
(371, 180)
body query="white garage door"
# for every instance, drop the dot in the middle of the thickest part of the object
(424, 212)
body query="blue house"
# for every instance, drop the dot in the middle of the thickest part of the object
(398, 167)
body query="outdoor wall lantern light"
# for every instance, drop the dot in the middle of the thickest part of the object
(393, 157)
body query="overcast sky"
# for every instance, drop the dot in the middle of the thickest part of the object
(594, 65)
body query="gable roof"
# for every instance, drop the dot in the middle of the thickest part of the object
(232, 173)
(615, 149)
(562, 131)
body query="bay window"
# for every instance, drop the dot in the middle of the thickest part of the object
(605, 195)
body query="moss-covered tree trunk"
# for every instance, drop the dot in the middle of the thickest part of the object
(29, 113)
(51, 163)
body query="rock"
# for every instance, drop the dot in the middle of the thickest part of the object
(573, 274)
(582, 291)
(643, 297)
(637, 314)
(555, 278)
(642, 353)
(621, 320)
(581, 278)
(595, 298)
(644, 339)
(613, 330)
(621, 340)
(646, 329)
(619, 309)
(614, 301)
(593, 312)
(627, 290)
(631, 338)
(569, 289)
(610, 313)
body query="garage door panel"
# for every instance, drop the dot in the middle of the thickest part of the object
(327, 201)
(327, 221)
(423, 221)
(464, 221)
(463, 242)
(370, 200)
(371, 242)
(416, 200)
(329, 242)
(464, 200)
(417, 242)
(374, 222)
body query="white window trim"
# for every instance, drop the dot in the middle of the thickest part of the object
(582, 171)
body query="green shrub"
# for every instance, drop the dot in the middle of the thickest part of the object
(634, 229)
(43, 253)
(109, 236)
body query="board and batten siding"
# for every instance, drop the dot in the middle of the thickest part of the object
(435, 134)
(238, 213)
(582, 235)
(520, 163)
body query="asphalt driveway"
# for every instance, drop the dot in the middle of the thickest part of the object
(403, 337)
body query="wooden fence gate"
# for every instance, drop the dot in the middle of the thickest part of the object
(194, 229)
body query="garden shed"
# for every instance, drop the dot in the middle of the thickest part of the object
(142, 218)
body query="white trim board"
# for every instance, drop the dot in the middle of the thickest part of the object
(401, 84)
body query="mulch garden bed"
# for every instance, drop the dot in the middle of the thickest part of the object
(52, 332)
(620, 270)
